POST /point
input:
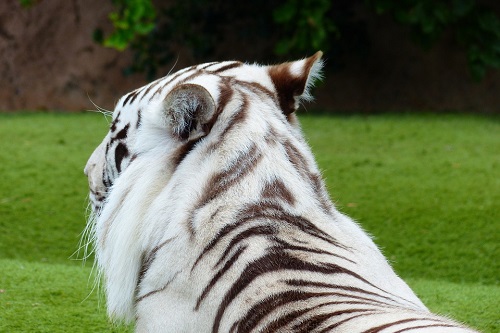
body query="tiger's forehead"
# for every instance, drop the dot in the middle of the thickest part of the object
(208, 75)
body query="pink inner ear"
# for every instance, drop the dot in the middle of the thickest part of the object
(292, 84)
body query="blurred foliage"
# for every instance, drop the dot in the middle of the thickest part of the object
(131, 20)
(475, 27)
(199, 26)
(294, 27)
(297, 27)
(281, 29)
(306, 24)
(28, 3)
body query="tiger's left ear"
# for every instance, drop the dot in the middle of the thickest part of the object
(187, 110)
(294, 79)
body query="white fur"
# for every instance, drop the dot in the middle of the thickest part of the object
(152, 208)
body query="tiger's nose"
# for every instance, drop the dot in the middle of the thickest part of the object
(87, 168)
(96, 158)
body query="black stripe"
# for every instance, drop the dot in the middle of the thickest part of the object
(112, 128)
(311, 250)
(106, 180)
(257, 88)
(139, 118)
(236, 118)
(300, 163)
(260, 310)
(132, 95)
(209, 65)
(321, 193)
(337, 324)
(219, 183)
(275, 260)
(273, 212)
(425, 326)
(148, 260)
(121, 135)
(165, 286)
(225, 95)
(296, 158)
(172, 79)
(278, 190)
(189, 77)
(314, 322)
(326, 285)
(184, 150)
(227, 67)
(218, 275)
(305, 283)
(152, 85)
(137, 93)
(241, 166)
(394, 323)
(244, 235)
(121, 152)
(265, 307)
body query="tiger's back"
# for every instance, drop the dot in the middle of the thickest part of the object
(211, 214)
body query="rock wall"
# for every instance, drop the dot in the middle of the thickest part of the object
(48, 60)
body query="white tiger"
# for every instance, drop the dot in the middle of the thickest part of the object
(210, 214)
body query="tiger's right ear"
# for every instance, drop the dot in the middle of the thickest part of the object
(293, 81)
(188, 108)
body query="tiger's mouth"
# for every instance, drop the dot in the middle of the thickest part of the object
(94, 172)
(97, 199)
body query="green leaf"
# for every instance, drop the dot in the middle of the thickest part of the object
(285, 13)
(282, 47)
(461, 8)
(489, 21)
(98, 36)
(134, 18)
(27, 3)
(442, 13)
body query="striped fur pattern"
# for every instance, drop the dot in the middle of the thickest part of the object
(210, 214)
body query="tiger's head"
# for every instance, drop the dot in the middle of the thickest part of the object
(188, 140)
(173, 115)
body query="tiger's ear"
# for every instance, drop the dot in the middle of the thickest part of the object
(188, 109)
(294, 79)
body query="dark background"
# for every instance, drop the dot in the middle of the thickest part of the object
(49, 60)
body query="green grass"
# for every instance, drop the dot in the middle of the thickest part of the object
(427, 187)
(41, 297)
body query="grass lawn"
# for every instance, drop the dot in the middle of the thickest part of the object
(426, 186)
